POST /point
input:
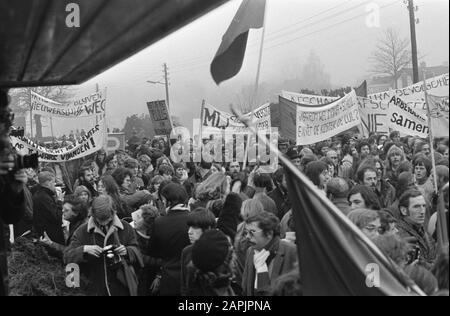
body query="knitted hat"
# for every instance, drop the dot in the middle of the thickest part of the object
(293, 153)
(210, 251)
(80, 189)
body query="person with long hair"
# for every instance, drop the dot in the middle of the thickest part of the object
(99, 164)
(395, 156)
(318, 173)
(108, 186)
(213, 189)
(200, 220)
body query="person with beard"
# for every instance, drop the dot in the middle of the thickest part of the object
(86, 178)
(268, 257)
(280, 194)
(367, 176)
(233, 169)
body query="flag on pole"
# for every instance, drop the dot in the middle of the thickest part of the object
(335, 258)
(230, 56)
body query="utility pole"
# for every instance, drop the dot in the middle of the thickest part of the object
(166, 79)
(412, 24)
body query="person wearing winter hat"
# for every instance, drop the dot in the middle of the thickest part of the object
(294, 156)
(83, 194)
(211, 256)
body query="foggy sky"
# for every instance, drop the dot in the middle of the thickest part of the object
(294, 28)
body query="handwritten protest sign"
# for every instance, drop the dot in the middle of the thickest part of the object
(215, 121)
(307, 99)
(160, 117)
(89, 144)
(414, 94)
(407, 120)
(317, 124)
(93, 104)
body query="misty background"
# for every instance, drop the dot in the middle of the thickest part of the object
(309, 44)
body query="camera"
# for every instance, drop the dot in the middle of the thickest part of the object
(113, 260)
(25, 162)
(413, 255)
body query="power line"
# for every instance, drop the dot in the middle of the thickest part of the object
(321, 20)
(193, 61)
(291, 40)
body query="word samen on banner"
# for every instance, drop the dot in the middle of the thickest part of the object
(407, 120)
(410, 121)
(437, 86)
(317, 124)
(90, 143)
(93, 104)
(214, 120)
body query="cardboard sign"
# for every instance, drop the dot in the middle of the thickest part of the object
(160, 117)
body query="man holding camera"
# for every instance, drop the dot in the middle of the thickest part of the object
(12, 183)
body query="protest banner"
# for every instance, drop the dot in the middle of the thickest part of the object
(215, 121)
(374, 115)
(159, 114)
(320, 123)
(405, 119)
(307, 99)
(93, 104)
(414, 94)
(115, 141)
(89, 144)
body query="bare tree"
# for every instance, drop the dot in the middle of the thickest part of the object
(391, 55)
(21, 102)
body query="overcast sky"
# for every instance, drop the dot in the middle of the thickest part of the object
(335, 30)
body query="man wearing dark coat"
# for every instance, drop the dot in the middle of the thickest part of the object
(47, 215)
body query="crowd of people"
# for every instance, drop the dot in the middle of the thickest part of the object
(138, 223)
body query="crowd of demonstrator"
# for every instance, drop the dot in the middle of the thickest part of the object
(219, 229)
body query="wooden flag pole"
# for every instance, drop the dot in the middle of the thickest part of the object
(255, 92)
(202, 114)
(441, 225)
(430, 134)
